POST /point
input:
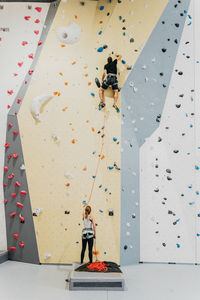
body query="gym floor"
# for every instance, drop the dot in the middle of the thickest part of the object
(143, 281)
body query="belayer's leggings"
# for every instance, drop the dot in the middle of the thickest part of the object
(90, 246)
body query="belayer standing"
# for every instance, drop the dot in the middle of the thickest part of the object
(88, 233)
(109, 78)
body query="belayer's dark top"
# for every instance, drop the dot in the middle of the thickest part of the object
(111, 67)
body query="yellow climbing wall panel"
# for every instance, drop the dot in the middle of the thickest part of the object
(72, 115)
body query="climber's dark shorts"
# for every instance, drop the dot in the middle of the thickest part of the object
(110, 80)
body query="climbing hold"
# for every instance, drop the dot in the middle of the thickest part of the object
(37, 211)
(5, 201)
(56, 138)
(23, 193)
(100, 49)
(85, 168)
(15, 236)
(10, 125)
(101, 7)
(21, 244)
(15, 132)
(7, 145)
(15, 155)
(132, 40)
(20, 205)
(5, 169)
(17, 184)
(13, 195)
(69, 34)
(123, 61)
(68, 175)
(12, 249)
(11, 176)
(12, 214)
(46, 256)
(67, 212)
(110, 167)
(38, 9)
(22, 167)
(21, 219)
(111, 212)
(36, 104)
(73, 141)
(114, 139)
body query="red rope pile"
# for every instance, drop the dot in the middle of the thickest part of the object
(98, 266)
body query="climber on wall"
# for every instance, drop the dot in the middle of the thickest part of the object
(88, 233)
(109, 78)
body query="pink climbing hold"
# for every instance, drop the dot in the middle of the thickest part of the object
(21, 218)
(13, 195)
(31, 55)
(12, 249)
(23, 193)
(30, 72)
(10, 125)
(7, 145)
(5, 201)
(5, 169)
(21, 244)
(38, 9)
(12, 214)
(15, 155)
(10, 92)
(19, 100)
(39, 43)
(11, 176)
(15, 132)
(17, 184)
(15, 235)
(20, 205)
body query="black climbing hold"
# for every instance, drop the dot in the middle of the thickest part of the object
(108, 14)
(156, 190)
(67, 212)
(180, 73)
(181, 14)
(164, 244)
(97, 82)
(124, 20)
(169, 178)
(105, 46)
(181, 95)
(176, 41)
(129, 68)
(161, 74)
(164, 50)
(168, 171)
(176, 24)
(175, 5)
(187, 42)
(176, 151)
(164, 85)
(168, 40)
(156, 166)
(163, 22)
(170, 212)
(82, 3)
(178, 105)
(125, 247)
(123, 28)
(111, 212)
(132, 40)
(159, 139)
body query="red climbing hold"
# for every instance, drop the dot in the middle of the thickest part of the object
(30, 72)
(17, 184)
(23, 193)
(7, 145)
(15, 155)
(31, 55)
(21, 218)
(5, 201)
(13, 195)
(19, 204)
(24, 43)
(10, 92)
(5, 169)
(11, 176)
(5, 184)
(15, 235)
(10, 125)
(21, 244)
(9, 156)
(37, 21)
(12, 214)
(38, 9)
(12, 249)
(15, 132)
(19, 100)
(27, 18)
(36, 31)
(39, 43)
(20, 64)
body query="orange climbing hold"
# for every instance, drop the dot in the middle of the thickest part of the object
(58, 94)
(73, 63)
(93, 129)
(73, 141)
(62, 45)
(87, 121)
(101, 22)
(67, 184)
(75, 17)
(64, 108)
(102, 156)
(85, 168)
(89, 83)
(66, 83)
(86, 75)
(95, 252)
(55, 93)
(61, 74)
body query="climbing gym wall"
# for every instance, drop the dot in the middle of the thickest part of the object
(63, 132)
(18, 43)
(169, 157)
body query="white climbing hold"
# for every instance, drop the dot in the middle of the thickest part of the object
(47, 255)
(128, 224)
(67, 193)
(69, 34)
(144, 67)
(153, 60)
(146, 79)
(37, 211)
(36, 104)
(135, 89)
(129, 107)
(135, 129)
(56, 138)
(22, 167)
(131, 12)
(68, 175)
(131, 84)
(128, 233)
(133, 121)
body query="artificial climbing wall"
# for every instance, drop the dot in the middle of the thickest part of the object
(61, 152)
(17, 42)
(169, 157)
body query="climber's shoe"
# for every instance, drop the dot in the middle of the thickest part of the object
(116, 108)
(101, 105)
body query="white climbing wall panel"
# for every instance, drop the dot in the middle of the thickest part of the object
(15, 31)
(167, 181)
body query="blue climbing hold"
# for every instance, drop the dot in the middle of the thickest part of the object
(185, 11)
(94, 152)
(198, 234)
(114, 139)
(84, 202)
(123, 61)
(110, 167)
(197, 193)
(101, 7)
(101, 210)
(100, 32)
(100, 49)
(196, 168)
(178, 245)
(106, 189)
(93, 176)
(124, 33)
(120, 17)
(92, 94)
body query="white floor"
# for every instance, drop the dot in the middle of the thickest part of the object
(143, 282)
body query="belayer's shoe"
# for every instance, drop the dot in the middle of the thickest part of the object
(116, 108)
(97, 82)
(101, 105)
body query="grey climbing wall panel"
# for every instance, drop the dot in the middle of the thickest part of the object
(25, 230)
(143, 99)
